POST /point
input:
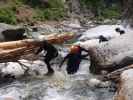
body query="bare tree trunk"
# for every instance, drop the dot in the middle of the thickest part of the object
(13, 51)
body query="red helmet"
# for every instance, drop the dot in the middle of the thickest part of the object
(74, 49)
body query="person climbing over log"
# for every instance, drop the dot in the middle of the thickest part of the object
(74, 58)
(52, 53)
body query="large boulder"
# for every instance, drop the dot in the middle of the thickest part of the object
(125, 90)
(111, 55)
(13, 69)
(10, 32)
(107, 31)
(14, 34)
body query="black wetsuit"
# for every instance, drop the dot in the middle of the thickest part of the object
(52, 52)
(74, 60)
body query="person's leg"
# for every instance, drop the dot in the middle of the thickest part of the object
(47, 61)
(49, 56)
(72, 68)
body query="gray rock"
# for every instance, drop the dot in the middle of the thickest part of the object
(13, 68)
(125, 91)
(111, 55)
(107, 31)
(47, 29)
(10, 32)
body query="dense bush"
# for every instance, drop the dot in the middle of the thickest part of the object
(52, 10)
(103, 8)
(49, 14)
(7, 16)
(55, 10)
(111, 12)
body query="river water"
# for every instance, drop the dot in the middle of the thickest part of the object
(60, 86)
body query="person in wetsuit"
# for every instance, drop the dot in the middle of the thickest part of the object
(52, 53)
(74, 58)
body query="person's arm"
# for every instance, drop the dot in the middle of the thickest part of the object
(63, 61)
(84, 58)
(39, 50)
(82, 49)
(85, 55)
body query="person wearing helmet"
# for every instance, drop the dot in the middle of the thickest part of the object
(74, 58)
(52, 53)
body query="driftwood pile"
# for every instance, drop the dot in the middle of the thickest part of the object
(14, 50)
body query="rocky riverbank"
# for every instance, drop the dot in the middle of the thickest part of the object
(82, 85)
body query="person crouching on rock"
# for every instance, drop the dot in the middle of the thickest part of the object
(52, 53)
(74, 58)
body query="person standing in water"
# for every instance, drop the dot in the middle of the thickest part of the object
(74, 58)
(52, 53)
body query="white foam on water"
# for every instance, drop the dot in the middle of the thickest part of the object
(52, 94)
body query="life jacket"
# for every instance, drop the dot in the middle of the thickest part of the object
(74, 49)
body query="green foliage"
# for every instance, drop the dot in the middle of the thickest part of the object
(18, 2)
(100, 9)
(7, 16)
(54, 11)
(49, 14)
(33, 3)
(110, 13)
(56, 4)
(42, 4)
(92, 3)
(95, 6)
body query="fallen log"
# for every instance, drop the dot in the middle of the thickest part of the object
(115, 75)
(13, 51)
(125, 86)
(55, 39)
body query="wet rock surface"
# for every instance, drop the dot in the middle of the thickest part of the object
(125, 90)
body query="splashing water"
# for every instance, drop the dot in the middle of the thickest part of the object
(60, 86)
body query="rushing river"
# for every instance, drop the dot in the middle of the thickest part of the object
(60, 86)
